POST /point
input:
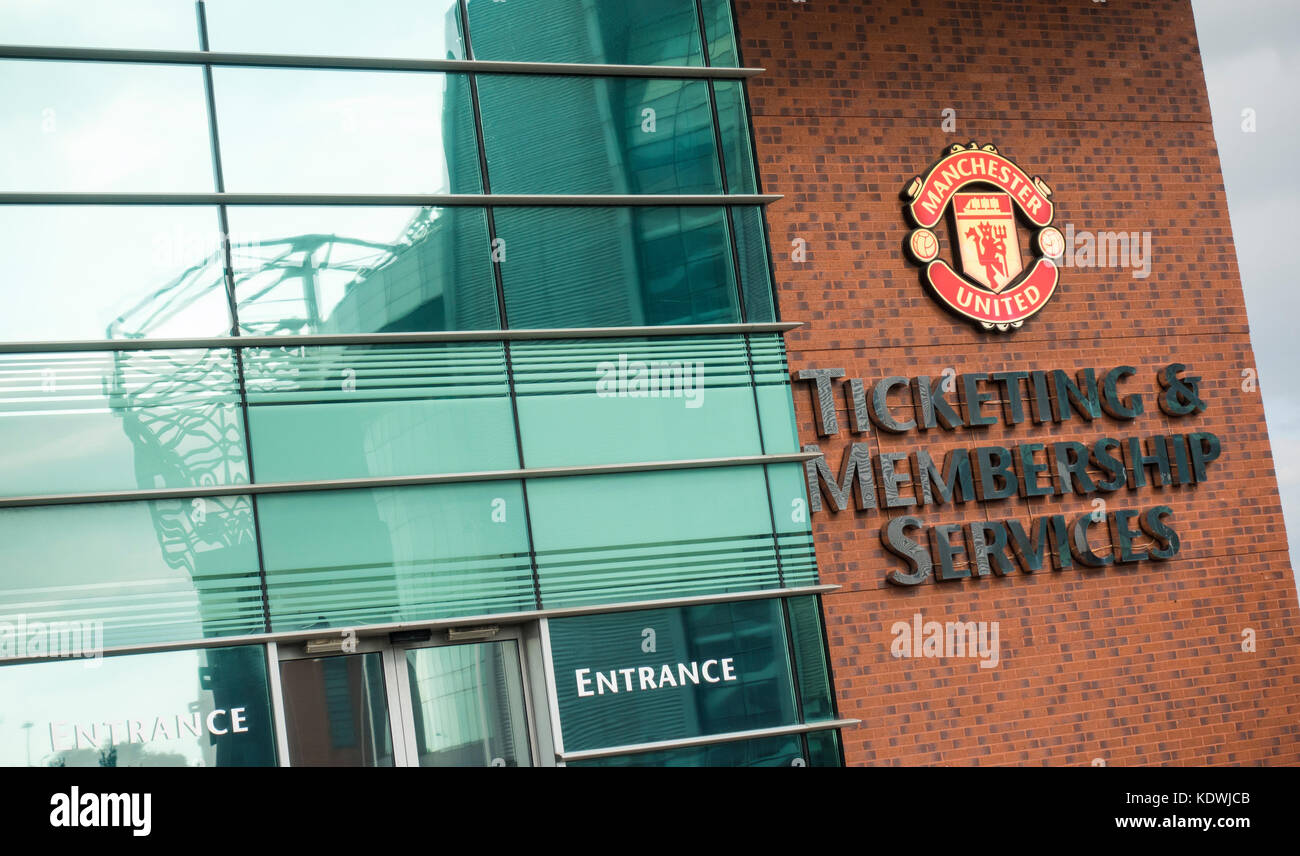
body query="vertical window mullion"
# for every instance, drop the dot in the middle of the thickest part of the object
(740, 290)
(502, 317)
(223, 224)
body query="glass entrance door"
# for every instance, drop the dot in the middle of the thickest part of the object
(467, 705)
(427, 704)
(336, 711)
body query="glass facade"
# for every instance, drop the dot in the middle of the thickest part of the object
(166, 488)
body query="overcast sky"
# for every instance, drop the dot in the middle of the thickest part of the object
(1252, 62)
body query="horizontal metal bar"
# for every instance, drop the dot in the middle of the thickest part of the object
(708, 740)
(412, 200)
(289, 637)
(154, 494)
(364, 63)
(335, 339)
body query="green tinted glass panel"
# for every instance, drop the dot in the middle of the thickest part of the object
(385, 410)
(597, 136)
(203, 708)
(336, 711)
(139, 571)
(794, 531)
(83, 127)
(755, 273)
(611, 267)
(340, 558)
(767, 752)
(719, 32)
(135, 24)
(824, 749)
(714, 668)
(370, 132)
(469, 705)
(810, 658)
(733, 126)
(635, 536)
(618, 32)
(775, 402)
(396, 28)
(95, 421)
(362, 270)
(654, 399)
(136, 271)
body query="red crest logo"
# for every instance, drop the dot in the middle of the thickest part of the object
(993, 287)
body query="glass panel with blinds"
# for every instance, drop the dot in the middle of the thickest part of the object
(354, 557)
(379, 410)
(597, 401)
(165, 570)
(120, 420)
(637, 536)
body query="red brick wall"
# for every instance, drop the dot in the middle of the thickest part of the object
(1107, 102)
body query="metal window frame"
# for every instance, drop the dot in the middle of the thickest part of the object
(366, 634)
(400, 698)
(346, 339)
(408, 200)
(258, 489)
(709, 740)
(369, 63)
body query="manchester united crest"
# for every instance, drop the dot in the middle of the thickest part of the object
(987, 196)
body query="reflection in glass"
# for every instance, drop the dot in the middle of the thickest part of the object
(383, 410)
(362, 270)
(313, 131)
(789, 483)
(614, 267)
(199, 708)
(619, 32)
(469, 706)
(810, 658)
(98, 127)
(755, 275)
(389, 28)
(348, 557)
(159, 571)
(101, 421)
(775, 401)
(336, 712)
(743, 640)
(597, 137)
(824, 749)
(133, 24)
(135, 270)
(719, 32)
(733, 126)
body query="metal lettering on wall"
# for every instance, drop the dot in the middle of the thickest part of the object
(994, 472)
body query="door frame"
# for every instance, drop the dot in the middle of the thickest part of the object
(397, 692)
